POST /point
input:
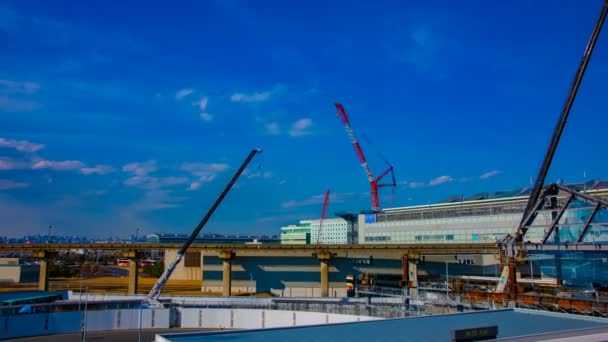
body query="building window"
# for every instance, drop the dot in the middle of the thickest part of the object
(193, 259)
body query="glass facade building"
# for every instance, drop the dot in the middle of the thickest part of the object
(480, 219)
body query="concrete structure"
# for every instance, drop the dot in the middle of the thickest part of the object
(482, 218)
(335, 231)
(296, 234)
(27, 325)
(260, 319)
(190, 268)
(510, 323)
(12, 271)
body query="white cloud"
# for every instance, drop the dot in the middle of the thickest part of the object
(21, 145)
(194, 186)
(300, 127)
(153, 183)
(204, 169)
(318, 199)
(97, 169)
(440, 180)
(6, 184)
(183, 93)
(206, 117)
(415, 185)
(63, 165)
(272, 128)
(490, 174)
(140, 168)
(8, 86)
(205, 172)
(260, 174)
(252, 97)
(157, 199)
(202, 103)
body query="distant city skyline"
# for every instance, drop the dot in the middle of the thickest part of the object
(114, 117)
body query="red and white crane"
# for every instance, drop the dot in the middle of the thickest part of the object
(323, 214)
(374, 182)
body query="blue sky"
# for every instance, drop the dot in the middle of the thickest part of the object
(135, 114)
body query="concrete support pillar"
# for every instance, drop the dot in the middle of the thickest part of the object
(133, 277)
(324, 258)
(226, 257)
(410, 272)
(43, 278)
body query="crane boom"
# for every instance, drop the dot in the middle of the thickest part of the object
(561, 123)
(162, 281)
(323, 214)
(374, 182)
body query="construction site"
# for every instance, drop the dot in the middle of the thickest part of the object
(466, 269)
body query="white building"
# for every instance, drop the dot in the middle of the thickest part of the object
(483, 218)
(334, 231)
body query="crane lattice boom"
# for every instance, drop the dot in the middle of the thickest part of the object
(374, 182)
(323, 214)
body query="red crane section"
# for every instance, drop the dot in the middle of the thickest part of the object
(323, 214)
(374, 182)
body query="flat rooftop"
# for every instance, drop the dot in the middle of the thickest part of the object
(525, 325)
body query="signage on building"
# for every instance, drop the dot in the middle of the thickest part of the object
(370, 218)
(475, 334)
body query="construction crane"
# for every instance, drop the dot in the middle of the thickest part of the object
(323, 214)
(374, 182)
(152, 296)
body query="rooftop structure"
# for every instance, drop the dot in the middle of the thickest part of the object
(508, 323)
(479, 218)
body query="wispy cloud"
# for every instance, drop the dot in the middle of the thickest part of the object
(8, 86)
(206, 117)
(272, 128)
(7, 184)
(194, 186)
(440, 180)
(97, 170)
(301, 127)
(63, 165)
(153, 183)
(415, 185)
(202, 103)
(141, 168)
(157, 199)
(204, 172)
(183, 93)
(490, 174)
(259, 174)
(204, 169)
(11, 105)
(251, 97)
(318, 199)
(21, 145)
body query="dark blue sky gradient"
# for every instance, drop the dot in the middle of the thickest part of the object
(447, 91)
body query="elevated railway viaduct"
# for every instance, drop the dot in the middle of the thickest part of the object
(408, 255)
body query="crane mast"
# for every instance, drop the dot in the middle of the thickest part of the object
(323, 214)
(156, 290)
(374, 182)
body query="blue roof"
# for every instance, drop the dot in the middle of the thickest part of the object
(26, 294)
(510, 322)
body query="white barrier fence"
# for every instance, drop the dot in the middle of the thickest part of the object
(259, 319)
(70, 322)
